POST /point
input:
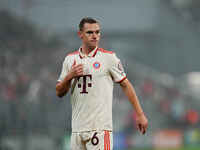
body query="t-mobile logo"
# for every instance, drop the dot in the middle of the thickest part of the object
(85, 84)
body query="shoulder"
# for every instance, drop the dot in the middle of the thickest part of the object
(110, 55)
(105, 51)
(71, 55)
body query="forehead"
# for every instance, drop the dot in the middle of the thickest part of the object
(91, 26)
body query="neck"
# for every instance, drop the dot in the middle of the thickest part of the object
(86, 49)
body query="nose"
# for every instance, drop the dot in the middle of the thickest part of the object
(94, 35)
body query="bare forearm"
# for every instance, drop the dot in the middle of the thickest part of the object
(131, 94)
(63, 87)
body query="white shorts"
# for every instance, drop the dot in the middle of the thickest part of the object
(92, 140)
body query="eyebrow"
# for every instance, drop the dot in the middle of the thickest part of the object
(97, 31)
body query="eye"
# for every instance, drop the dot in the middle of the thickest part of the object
(89, 32)
(97, 32)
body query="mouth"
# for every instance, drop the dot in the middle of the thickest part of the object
(94, 41)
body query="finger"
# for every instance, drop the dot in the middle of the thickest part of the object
(143, 130)
(79, 70)
(74, 64)
(80, 73)
(146, 126)
(139, 127)
(77, 67)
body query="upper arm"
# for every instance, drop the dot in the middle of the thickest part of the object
(116, 69)
(65, 69)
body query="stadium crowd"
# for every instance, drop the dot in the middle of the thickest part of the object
(28, 103)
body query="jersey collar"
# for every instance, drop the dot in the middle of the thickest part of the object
(91, 54)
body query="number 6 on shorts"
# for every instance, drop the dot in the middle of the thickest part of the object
(95, 139)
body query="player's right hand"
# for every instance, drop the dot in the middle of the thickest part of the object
(76, 70)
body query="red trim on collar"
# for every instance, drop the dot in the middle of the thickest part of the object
(80, 56)
(95, 52)
(79, 50)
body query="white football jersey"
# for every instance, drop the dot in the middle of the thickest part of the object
(92, 93)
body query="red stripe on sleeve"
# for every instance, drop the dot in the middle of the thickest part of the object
(121, 80)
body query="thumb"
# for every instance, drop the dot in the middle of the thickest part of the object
(74, 63)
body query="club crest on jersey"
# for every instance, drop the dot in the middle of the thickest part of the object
(120, 67)
(96, 65)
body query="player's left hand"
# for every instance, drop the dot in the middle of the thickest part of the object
(142, 123)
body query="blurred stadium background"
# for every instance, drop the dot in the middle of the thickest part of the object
(158, 42)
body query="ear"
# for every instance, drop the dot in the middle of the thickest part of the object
(80, 34)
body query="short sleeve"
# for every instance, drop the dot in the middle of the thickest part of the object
(116, 69)
(65, 69)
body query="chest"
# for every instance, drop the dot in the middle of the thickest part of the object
(94, 66)
(95, 73)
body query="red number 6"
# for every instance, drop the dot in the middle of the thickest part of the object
(95, 139)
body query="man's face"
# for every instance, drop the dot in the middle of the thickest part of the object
(90, 34)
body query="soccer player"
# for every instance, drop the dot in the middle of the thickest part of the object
(90, 73)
